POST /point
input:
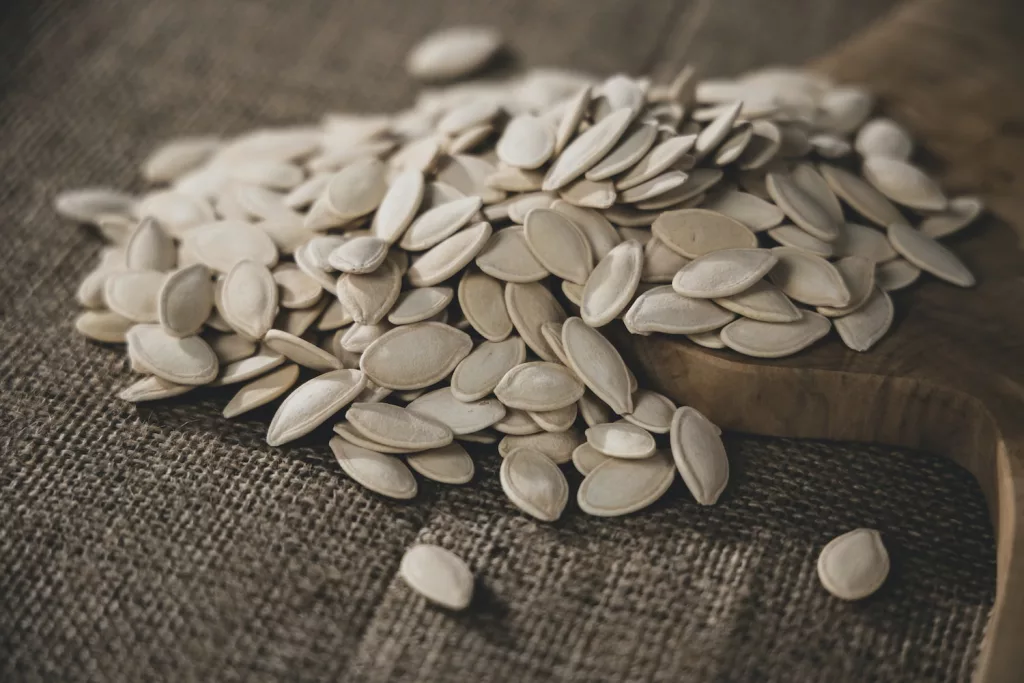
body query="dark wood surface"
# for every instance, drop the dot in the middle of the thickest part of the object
(950, 376)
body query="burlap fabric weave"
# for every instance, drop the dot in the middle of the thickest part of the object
(164, 543)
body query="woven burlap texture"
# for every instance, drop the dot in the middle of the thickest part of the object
(162, 542)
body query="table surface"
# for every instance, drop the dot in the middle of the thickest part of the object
(162, 542)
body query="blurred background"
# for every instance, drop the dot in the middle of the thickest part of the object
(166, 544)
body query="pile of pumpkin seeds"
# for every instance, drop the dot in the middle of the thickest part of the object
(444, 274)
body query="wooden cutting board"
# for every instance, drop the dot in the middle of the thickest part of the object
(950, 376)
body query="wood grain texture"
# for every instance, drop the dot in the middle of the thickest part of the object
(950, 377)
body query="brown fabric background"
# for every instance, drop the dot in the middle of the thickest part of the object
(164, 543)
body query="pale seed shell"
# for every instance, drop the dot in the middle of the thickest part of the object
(859, 275)
(621, 440)
(296, 289)
(557, 446)
(928, 255)
(904, 184)
(695, 232)
(357, 189)
(774, 340)
(715, 132)
(150, 248)
(245, 369)
(530, 306)
(699, 455)
(612, 284)
(103, 326)
(357, 337)
(593, 410)
(88, 204)
(763, 145)
(660, 263)
(420, 304)
(586, 458)
(802, 208)
(346, 432)
(360, 255)
(861, 240)
(222, 245)
(298, 320)
(789, 235)
(135, 294)
(512, 179)
(854, 565)
(449, 464)
(809, 279)
(449, 257)
(534, 484)
(521, 205)
(152, 388)
(576, 107)
(248, 299)
(517, 423)
(594, 194)
(709, 340)
(438, 223)
(662, 309)
(397, 427)
(177, 156)
(187, 360)
(762, 301)
(438, 575)
(748, 209)
(230, 347)
(662, 157)
(469, 115)
(176, 212)
(962, 211)
(863, 328)
(807, 178)
(862, 197)
(630, 150)
(558, 245)
(587, 149)
(507, 257)
(559, 420)
(619, 487)
(539, 386)
(415, 356)
(651, 411)
(313, 403)
(723, 273)
(733, 146)
(383, 474)
(461, 417)
(883, 137)
(262, 391)
(185, 300)
(452, 53)
(368, 298)
(482, 300)
(595, 227)
(896, 275)
(479, 372)
(301, 351)
(598, 364)
(527, 142)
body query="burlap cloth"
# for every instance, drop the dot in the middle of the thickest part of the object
(164, 543)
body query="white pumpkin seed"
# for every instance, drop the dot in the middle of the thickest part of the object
(695, 232)
(765, 141)
(709, 340)
(809, 279)
(587, 149)
(884, 137)
(751, 211)
(896, 275)
(789, 235)
(859, 275)
(619, 487)
(962, 211)
(651, 411)
(576, 107)
(598, 364)
(864, 327)
(152, 388)
(313, 403)
(612, 284)
(517, 423)
(182, 360)
(150, 248)
(449, 464)
(594, 194)
(449, 256)
(774, 340)
(762, 301)
(557, 446)
(558, 245)
(88, 204)
(663, 156)
(357, 189)
(854, 565)
(415, 356)
(621, 440)
(438, 223)
(627, 153)
(185, 300)
(479, 372)
(383, 474)
(507, 257)
(862, 197)
(176, 157)
(368, 298)
(103, 326)
(301, 351)
(699, 455)
(861, 240)
(248, 299)
(802, 208)
(135, 294)
(262, 391)
(527, 142)
(534, 484)
(520, 206)
(230, 347)
(452, 53)
(245, 369)
(223, 244)
(539, 386)
(662, 309)
(438, 575)
(586, 458)
(559, 420)
(928, 255)
(176, 212)
(904, 184)
(296, 289)
(723, 273)
(360, 255)
(350, 435)
(397, 427)
(529, 306)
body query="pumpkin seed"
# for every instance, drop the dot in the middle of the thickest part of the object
(929, 255)
(449, 464)
(723, 273)
(415, 356)
(598, 364)
(313, 403)
(383, 474)
(774, 340)
(854, 565)
(262, 391)
(534, 484)
(152, 388)
(248, 299)
(538, 386)
(479, 372)
(699, 455)
(621, 440)
(182, 360)
(557, 446)
(612, 284)
(619, 487)
(530, 306)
